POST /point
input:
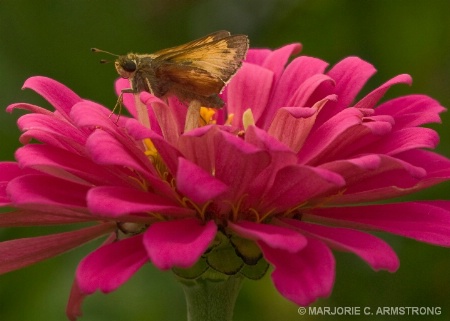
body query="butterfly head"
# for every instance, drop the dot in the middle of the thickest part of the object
(126, 65)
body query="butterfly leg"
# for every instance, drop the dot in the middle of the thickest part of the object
(119, 103)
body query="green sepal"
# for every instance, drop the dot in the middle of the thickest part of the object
(223, 258)
(194, 271)
(246, 249)
(255, 272)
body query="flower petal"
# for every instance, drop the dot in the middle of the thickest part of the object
(19, 253)
(111, 265)
(196, 183)
(250, 88)
(76, 298)
(291, 125)
(288, 189)
(276, 237)
(424, 221)
(178, 243)
(248, 161)
(165, 117)
(305, 276)
(296, 73)
(335, 131)
(58, 95)
(65, 164)
(114, 201)
(9, 171)
(377, 253)
(277, 59)
(412, 110)
(350, 75)
(45, 191)
(52, 130)
(34, 217)
(370, 100)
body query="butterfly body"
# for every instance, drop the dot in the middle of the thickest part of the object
(198, 70)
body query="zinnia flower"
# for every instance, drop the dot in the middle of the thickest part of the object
(289, 169)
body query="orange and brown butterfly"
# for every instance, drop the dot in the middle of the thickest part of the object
(197, 70)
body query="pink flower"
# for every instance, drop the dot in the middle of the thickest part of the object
(291, 164)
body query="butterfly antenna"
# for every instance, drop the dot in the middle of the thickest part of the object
(104, 61)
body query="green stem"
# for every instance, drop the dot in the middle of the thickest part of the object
(211, 299)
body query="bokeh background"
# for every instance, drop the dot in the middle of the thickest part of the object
(52, 38)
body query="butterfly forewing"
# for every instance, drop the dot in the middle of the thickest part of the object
(169, 52)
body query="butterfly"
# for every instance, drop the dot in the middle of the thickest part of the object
(197, 70)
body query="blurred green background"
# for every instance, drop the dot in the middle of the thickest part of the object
(52, 38)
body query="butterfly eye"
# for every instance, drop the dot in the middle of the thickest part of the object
(129, 65)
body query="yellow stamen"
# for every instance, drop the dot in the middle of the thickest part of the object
(200, 210)
(229, 119)
(247, 118)
(150, 149)
(206, 115)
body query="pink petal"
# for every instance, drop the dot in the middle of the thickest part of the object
(11, 170)
(278, 58)
(19, 253)
(166, 150)
(406, 139)
(248, 162)
(51, 130)
(333, 132)
(288, 189)
(178, 243)
(58, 95)
(435, 165)
(292, 125)
(97, 117)
(105, 149)
(350, 75)
(196, 183)
(408, 172)
(370, 100)
(37, 218)
(412, 110)
(64, 164)
(377, 253)
(42, 191)
(296, 73)
(274, 236)
(376, 171)
(166, 117)
(114, 201)
(76, 298)
(264, 140)
(250, 88)
(199, 146)
(29, 107)
(257, 56)
(305, 276)
(111, 265)
(424, 221)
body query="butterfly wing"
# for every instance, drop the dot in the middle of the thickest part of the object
(204, 68)
(167, 53)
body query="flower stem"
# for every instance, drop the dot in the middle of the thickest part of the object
(211, 299)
